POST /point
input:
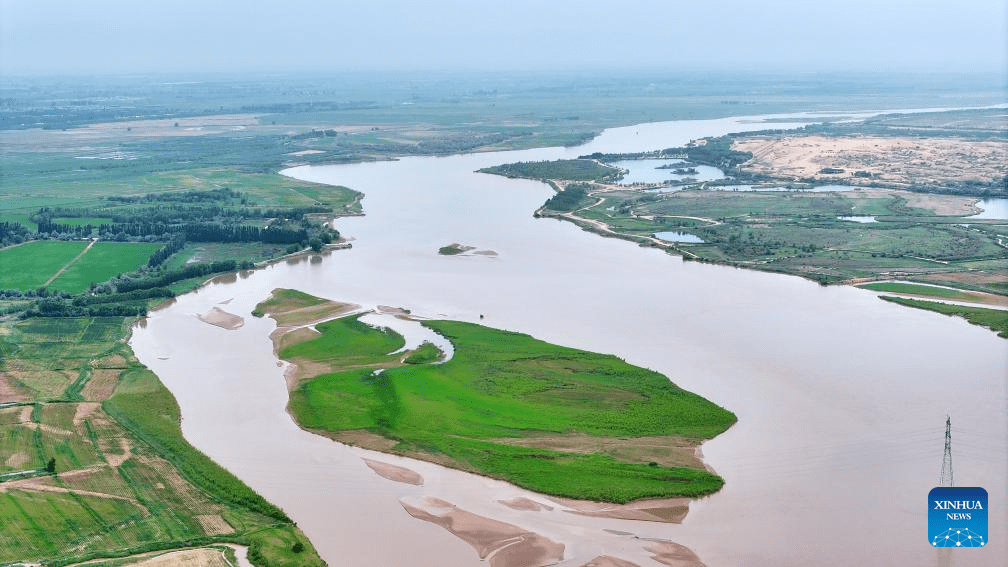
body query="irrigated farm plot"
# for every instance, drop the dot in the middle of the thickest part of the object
(30, 265)
(103, 261)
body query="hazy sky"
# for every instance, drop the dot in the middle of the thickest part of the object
(118, 36)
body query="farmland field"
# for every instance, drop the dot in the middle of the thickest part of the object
(30, 265)
(103, 261)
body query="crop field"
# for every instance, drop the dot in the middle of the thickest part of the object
(103, 261)
(502, 386)
(125, 480)
(30, 265)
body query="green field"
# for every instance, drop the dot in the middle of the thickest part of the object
(103, 261)
(30, 265)
(503, 387)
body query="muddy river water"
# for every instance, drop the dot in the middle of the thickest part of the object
(841, 397)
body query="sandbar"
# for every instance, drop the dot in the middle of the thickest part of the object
(220, 318)
(505, 545)
(394, 472)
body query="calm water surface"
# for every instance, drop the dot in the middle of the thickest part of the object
(841, 397)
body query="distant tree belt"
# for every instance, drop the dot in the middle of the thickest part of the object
(167, 278)
(59, 307)
(165, 252)
(716, 152)
(179, 213)
(203, 232)
(571, 198)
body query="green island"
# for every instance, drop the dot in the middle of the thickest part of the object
(555, 420)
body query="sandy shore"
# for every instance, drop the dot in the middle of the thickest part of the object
(220, 318)
(667, 510)
(396, 473)
(505, 545)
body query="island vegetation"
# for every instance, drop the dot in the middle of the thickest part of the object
(508, 406)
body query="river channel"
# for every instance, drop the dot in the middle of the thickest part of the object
(841, 397)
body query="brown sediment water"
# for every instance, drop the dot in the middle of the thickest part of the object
(841, 397)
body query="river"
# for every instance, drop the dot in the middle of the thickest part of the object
(841, 397)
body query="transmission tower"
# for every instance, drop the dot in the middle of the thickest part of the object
(946, 473)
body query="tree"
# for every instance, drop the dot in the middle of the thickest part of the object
(51, 466)
(298, 547)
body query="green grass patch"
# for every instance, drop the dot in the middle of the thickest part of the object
(30, 265)
(102, 262)
(994, 319)
(426, 353)
(282, 300)
(918, 289)
(502, 385)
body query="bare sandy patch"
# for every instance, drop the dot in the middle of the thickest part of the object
(673, 554)
(666, 510)
(286, 336)
(203, 557)
(101, 384)
(609, 561)
(17, 460)
(504, 544)
(394, 472)
(396, 311)
(113, 459)
(896, 160)
(83, 411)
(313, 314)
(214, 524)
(116, 361)
(670, 451)
(973, 278)
(220, 318)
(360, 438)
(26, 412)
(942, 205)
(525, 504)
(11, 393)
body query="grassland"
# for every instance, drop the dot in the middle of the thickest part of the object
(125, 480)
(994, 319)
(30, 265)
(499, 390)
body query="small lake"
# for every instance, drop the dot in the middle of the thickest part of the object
(678, 237)
(996, 208)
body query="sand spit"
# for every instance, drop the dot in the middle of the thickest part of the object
(608, 561)
(673, 554)
(525, 505)
(504, 544)
(667, 510)
(394, 472)
(220, 318)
